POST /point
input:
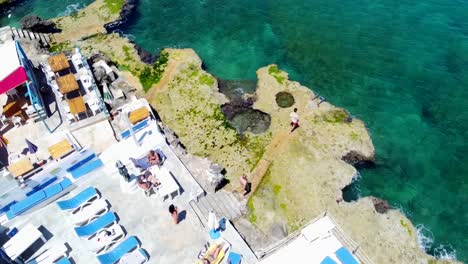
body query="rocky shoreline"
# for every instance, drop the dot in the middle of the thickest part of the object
(324, 152)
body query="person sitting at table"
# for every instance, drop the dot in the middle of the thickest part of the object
(153, 158)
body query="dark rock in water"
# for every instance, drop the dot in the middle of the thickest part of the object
(37, 24)
(6, 6)
(236, 90)
(244, 118)
(127, 10)
(358, 160)
(284, 99)
(144, 55)
(381, 206)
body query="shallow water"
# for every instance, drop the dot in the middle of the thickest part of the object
(400, 66)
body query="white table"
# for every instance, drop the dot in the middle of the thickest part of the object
(25, 237)
(134, 257)
(168, 184)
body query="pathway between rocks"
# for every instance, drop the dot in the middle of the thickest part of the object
(272, 150)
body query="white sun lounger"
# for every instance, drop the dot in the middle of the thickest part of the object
(93, 210)
(51, 255)
(102, 244)
(25, 237)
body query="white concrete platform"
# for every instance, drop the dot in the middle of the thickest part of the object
(147, 218)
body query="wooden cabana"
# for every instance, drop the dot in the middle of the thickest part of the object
(20, 167)
(60, 149)
(58, 62)
(67, 83)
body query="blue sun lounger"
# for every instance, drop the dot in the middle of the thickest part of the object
(100, 223)
(47, 194)
(345, 257)
(328, 260)
(84, 196)
(63, 260)
(119, 251)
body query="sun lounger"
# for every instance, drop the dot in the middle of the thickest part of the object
(5, 208)
(345, 256)
(63, 260)
(50, 255)
(119, 251)
(90, 212)
(37, 198)
(87, 168)
(78, 201)
(143, 164)
(137, 127)
(328, 260)
(234, 258)
(23, 240)
(103, 244)
(97, 225)
(81, 162)
(213, 247)
(42, 186)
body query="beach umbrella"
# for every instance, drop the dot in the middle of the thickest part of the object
(107, 94)
(32, 148)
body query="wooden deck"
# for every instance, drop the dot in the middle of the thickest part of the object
(223, 203)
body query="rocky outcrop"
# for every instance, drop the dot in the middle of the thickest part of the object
(127, 10)
(144, 55)
(358, 160)
(381, 206)
(37, 24)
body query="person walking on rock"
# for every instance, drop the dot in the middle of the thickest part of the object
(245, 184)
(294, 120)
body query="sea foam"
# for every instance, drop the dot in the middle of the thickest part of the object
(71, 8)
(426, 242)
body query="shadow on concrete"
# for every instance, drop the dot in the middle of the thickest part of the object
(182, 216)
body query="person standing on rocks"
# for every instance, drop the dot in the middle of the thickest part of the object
(294, 120)
(245, 184)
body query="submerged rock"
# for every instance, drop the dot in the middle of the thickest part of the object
(37, 24)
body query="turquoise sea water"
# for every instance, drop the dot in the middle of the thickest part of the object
(400, 66)
(42, 8)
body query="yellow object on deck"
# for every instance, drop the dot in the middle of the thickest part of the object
(138, 114)
(20, 167)
(60, 149)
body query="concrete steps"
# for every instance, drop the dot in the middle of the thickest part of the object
(222, 203)
(18, 34)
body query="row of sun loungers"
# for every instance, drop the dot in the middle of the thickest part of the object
(95, 223)
(22, 239)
